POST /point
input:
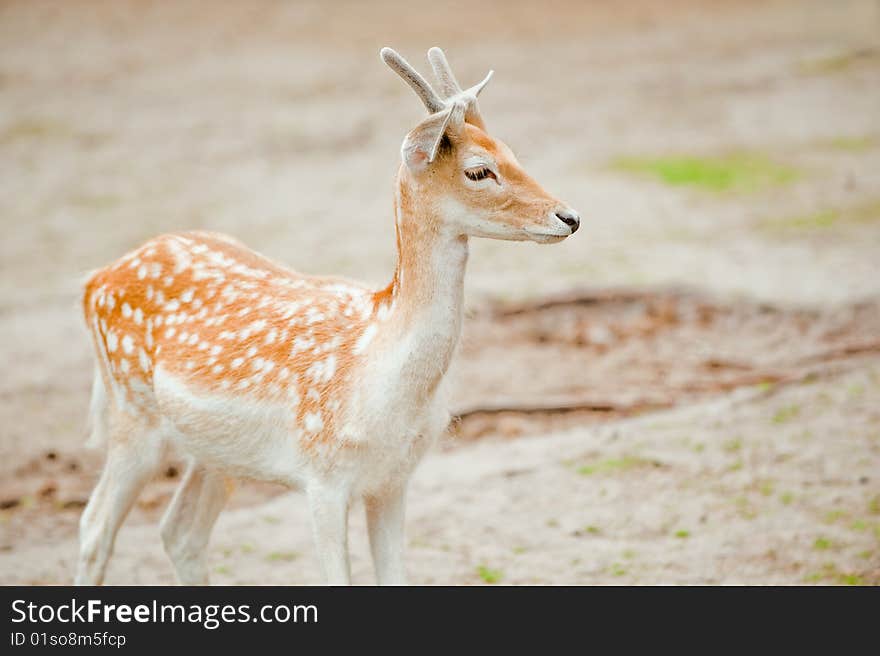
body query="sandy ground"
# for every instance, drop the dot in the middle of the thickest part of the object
(277, 123)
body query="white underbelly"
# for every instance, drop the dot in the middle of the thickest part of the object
(239, 436)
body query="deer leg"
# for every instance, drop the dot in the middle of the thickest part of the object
(131, 462)
(329, 506)
(187, 524)
(385, 524)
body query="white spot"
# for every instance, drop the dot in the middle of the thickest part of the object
(143, 359)
(155, 270)
(138, 316)
(127, 344)
(252, 351)
(181, 257)
(313, 422)
(150, 292)
(384, 311)
(364, 340)
(301, 344)
(123, 365)
(217, 368)
(235, 364)
(142, 272)
(170, 333)
(171, 306)
(203, 346)
(187, 296)
(216, 349)
(183, 337)
(112, 341)
(313, 315)
(126, 310)
(270, 337)
(193, 339)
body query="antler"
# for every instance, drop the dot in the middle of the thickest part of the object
(449, 86)
(411, 76)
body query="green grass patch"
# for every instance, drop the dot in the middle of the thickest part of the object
(766, 488)
(786, 413)
(822, 544)
(734, 172)
(840, 62)
(31, 129)
(745, 508)
(614, 465)
(831, 574)
(682, 534)
(851, 144)
(818, 221)
(282, 556)
(833, 516)
(490, 575)
(733, 445)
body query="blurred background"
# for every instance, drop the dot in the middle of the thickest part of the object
(684, 392)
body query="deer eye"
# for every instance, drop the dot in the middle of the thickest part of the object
(479, 173)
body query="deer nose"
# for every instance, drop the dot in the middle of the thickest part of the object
(569, 218)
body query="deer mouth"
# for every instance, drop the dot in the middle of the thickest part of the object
(546, 236)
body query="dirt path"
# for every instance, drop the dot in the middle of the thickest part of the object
(726, 161)
(730, 491)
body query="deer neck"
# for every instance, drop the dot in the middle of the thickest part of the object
(422, 306)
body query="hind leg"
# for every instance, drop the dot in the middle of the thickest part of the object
(187, 524)
(132, 459)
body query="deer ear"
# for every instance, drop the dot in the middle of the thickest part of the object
(421, 145)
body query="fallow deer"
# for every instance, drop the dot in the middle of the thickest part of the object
(252, 370)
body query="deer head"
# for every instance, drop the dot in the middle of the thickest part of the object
(473, 181)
